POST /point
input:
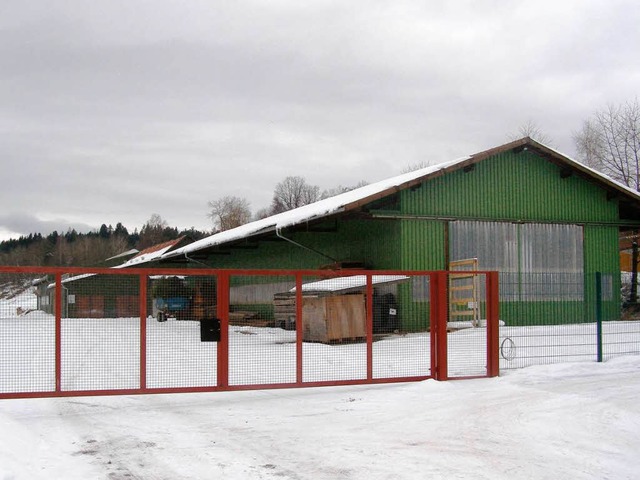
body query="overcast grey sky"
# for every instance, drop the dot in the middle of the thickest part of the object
(111, 110)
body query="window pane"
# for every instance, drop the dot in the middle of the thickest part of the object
(535, 261)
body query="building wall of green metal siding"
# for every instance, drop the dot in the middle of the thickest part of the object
(508, 187)
(512, 186)
(517, 187)
(601, 255)
(423, 247)
(371, 242)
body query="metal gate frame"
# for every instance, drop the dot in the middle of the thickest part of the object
(439, 312)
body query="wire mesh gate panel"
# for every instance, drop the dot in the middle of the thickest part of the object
(262, 339)
(176, 354)
(553, 320)
(110, 331)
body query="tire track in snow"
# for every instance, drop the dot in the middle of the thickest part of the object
(114, 445)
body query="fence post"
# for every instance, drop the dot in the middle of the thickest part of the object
(438, 320)
(599, 313)
(222, 296)
(493, 325)
(299, 330)
(369, 323)
(58, 331)
(142, 307)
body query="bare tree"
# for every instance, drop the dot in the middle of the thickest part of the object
(262, 213)
(94, 250)
(293, 192)
(532, 130)
(610, 142)
(415, 166)
(229, 212)
(332, 192)
(152, 232)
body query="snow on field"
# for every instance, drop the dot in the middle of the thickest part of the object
(9, 307)
(575, 420)
(570, 420)
(105, 354)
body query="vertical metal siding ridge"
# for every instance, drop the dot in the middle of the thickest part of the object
(422, 245)
(599, 239)
(518, 186)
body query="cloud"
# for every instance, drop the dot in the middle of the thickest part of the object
(112, 111)
(21, 224)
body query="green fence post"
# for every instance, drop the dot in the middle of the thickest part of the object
(599, 312)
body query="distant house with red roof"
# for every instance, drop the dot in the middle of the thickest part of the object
(98, 296)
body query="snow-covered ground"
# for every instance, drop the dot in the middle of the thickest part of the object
(101, 354)
(574, 420)
(570, 420)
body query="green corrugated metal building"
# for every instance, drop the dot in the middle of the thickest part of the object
(546, 222)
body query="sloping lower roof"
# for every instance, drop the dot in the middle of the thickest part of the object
(153, 252)
(147, 255)
(361, 196)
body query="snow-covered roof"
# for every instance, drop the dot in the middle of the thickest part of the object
(152, 253)
(371, 192)
(72, 278)
(145, 257)
(128, 253)
(347, 283)
(320, 209)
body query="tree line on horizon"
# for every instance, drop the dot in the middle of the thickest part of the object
(74, 249)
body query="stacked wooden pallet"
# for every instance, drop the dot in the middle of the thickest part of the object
(284, 310)
(248, 319)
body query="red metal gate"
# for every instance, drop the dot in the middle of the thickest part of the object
(208, 330)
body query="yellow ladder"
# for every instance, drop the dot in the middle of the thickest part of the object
(463, 291)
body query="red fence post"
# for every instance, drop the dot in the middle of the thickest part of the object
(299, 332)
(438, 320)
(369, 311)
(58, 332)
(142, 307)
(432, 324)
(493, 325)
(223, 316)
